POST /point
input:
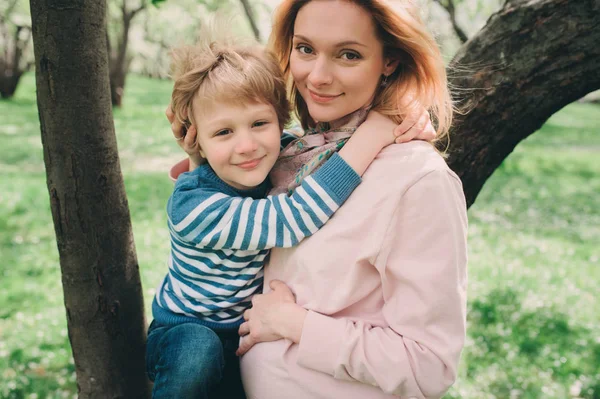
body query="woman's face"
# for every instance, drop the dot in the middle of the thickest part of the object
(337, 60)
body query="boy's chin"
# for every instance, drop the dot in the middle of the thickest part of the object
(250, 183)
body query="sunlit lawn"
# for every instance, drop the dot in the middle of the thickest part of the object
(534, 312)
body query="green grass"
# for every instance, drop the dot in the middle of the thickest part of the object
(534, 324)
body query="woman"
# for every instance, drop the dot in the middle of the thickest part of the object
(373, 305)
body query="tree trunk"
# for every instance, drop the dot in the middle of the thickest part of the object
(12, 66)
(117, 85)
(100, 276)
(532, 58)
(9, 83)
(119, 62)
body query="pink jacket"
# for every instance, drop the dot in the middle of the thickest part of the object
(385, 285)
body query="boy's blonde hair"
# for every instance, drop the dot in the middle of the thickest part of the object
(219, 70)
(418, 81)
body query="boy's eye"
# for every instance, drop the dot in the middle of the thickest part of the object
(259, 123)
(223, 132)
(351, 55)
(304, 49)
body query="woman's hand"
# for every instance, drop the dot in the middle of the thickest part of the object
(185, 139)
(416, 126)
(273, 316)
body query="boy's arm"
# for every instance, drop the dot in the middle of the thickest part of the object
(218, 221)
(376, 132)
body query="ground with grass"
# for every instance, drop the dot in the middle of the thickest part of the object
(534, 325)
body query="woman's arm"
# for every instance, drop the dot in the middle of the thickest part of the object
(186, 139)
(423, 276)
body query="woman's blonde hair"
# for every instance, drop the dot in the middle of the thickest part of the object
(418, 81)
(219, 70)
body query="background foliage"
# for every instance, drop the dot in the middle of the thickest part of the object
(534, 328)
(534, 325)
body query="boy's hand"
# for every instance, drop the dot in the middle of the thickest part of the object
(185, 139)
(416, 126)
(375, 133)
(378, 128)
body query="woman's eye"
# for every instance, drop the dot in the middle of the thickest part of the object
(223, 132)
(303, 49)
(351, 55)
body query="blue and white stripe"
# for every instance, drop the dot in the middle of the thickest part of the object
(219, 240)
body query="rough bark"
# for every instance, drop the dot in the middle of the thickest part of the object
(532, 58)
(100, 274)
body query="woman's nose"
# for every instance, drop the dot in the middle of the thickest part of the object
(246, 143)
(321, 73)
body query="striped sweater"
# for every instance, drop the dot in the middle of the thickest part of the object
(220, 237)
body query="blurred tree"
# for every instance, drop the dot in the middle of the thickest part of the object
(162, 28)
(251, 18)
(448, 5)
(99, 268)
(532, 58)
(15, 37)
(174, 23)
(121, 16)
(213, 5)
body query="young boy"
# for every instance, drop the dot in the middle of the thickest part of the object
(221, 225)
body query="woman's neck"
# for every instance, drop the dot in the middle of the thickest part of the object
(353, 119)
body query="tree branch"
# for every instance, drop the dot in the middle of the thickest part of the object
(140, 8)
(451, 10)
(5, 17)
(251, 19)
(124, 7)
(532, 59)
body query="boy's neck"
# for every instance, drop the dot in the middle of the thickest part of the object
(259, 191)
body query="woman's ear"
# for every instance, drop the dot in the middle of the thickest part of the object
(389, 66)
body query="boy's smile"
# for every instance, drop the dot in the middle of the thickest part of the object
(239, 141)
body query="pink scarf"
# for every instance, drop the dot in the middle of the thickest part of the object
(306, 154)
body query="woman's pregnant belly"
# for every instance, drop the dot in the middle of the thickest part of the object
(269, 371)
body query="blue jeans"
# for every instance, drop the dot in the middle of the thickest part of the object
(192, 361)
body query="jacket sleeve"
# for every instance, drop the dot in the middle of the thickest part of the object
(220, 221)
(422, 265)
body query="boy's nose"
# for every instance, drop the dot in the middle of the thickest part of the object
(246, 143)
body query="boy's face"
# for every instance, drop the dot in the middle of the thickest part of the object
(240, 142)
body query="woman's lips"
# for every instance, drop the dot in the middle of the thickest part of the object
(322, 98)
(249, 164)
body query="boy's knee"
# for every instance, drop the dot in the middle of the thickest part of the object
(195, 347)
(190, 359)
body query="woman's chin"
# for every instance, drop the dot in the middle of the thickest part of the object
(322, 114)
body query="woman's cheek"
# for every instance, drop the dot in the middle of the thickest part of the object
(299, 69)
